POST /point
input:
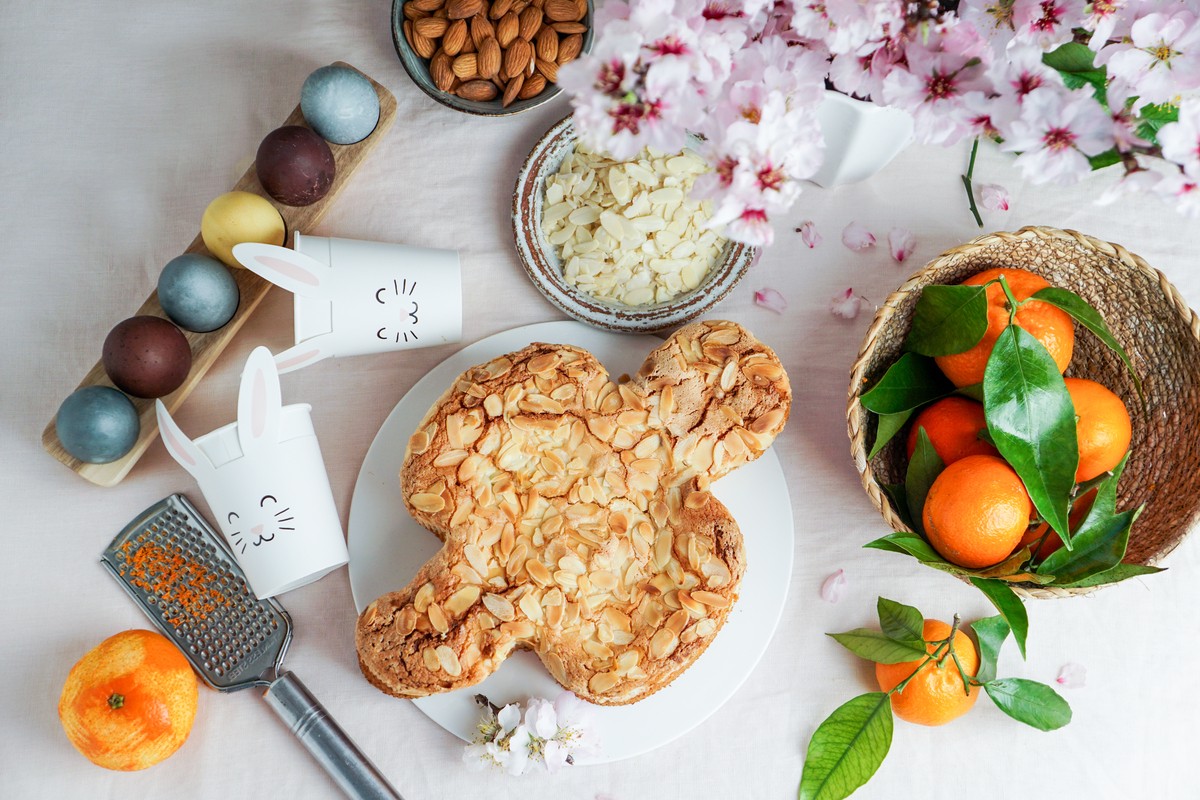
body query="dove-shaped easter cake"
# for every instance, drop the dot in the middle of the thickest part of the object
(576, 516)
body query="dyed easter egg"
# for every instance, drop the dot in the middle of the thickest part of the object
(237, 217)
(97, 424)
(340, 104)
(295, 165)
(146, 356)
(197, 292)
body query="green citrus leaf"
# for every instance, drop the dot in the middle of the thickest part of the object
(1087, 316)
(895, 493)
(889, 425)
(1032, 421)
(878, 647)
(1033, 703)
(910, 383)
(1105, 159)
(1099, 543)
(1153, 117)
(974, 391)
(1076, 64)
(991, 633)
(923, 469)
(948, 320)
(1009, 606)
(908, 543)
(1117, 574)
(847, 748)
(901, 623)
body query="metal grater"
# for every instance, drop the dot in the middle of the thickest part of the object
(233, 639)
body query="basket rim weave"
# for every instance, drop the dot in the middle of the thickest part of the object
(887, 313)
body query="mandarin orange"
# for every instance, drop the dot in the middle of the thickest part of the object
(936, 694)
(976, 511)
(953, 425)
(1103, 427)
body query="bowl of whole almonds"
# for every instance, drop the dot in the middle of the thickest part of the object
(620, 244)
(490, 57)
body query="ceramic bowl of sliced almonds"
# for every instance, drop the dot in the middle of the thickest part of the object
(620, 244)
(490, 57)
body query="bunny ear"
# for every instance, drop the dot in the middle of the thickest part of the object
(259, 402)
(179, 445)
(289, 269)
(307, 352)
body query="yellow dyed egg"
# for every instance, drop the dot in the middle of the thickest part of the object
(237, 217)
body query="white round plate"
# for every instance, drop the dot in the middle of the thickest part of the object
(387, 548)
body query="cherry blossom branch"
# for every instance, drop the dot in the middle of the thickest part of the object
(966, 179)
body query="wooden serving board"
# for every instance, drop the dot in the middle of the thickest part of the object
(207, 346)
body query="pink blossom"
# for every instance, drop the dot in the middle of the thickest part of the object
(1181, 140)
(993, 197)
(808, 232)
(1183, 190)
(901, 244)
(933, 90)
(1161, 60)
(771, 300)
(1072, 676)
(834, 587)
(1103, 21)
(846, 304)
(1046, 23)
(856, 237)
(1056, 132)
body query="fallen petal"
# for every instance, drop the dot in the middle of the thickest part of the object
(901, 243)
(808, 232)
(1072, 676)
(834, 587)
(858, 238)
(771, 300)
(993, 197)
(845, 304)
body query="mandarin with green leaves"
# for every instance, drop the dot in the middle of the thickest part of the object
(935, 694)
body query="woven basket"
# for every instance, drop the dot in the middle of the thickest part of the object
(1147, 316)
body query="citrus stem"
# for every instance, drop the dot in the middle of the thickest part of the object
(899, 687)
(962, 673)
(1013, 305)
(116, 701)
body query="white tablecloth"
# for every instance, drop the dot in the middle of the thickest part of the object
(121, 121)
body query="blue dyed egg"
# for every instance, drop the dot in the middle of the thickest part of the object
(340, 104)
(97, 424)
(197, 292)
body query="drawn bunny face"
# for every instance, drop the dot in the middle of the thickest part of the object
(381, 297)
(265, 481)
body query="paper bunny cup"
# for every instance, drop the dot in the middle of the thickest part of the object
(265, 481)
(356, 298)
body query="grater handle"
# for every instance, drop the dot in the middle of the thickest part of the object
(311, 723)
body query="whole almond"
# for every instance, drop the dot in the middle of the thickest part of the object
(546, 43)
(412, 12)
(568, 48)
(489, 58)
(481, 28)
(532, 88)
(507, 29)
(580, 9)
(499, 9)
(512, 90)
(465, 66)
(560, 10)
(478, 90)
(425, 5)
(440, 70)
(408, 33)
(468, 46)
(433, 27)
(530, 21)
(519, 5)
(569, 27)
(548, 69)
(463, 9)
(456, 37)
(516, 57)
(424, 46)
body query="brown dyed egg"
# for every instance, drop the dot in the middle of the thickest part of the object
(295, 165)
(146, 356)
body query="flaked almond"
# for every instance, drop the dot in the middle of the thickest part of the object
(431, 660)
(489, 62)
(455, 37)
(437, 618)
(499, 8)
(567, 28)
(448, 660)
(562, 10)
(463, 9)
(516, 59)
(507, 29)
(443, 78)
(549, 71)
(433, 27)
(479, 91)
(513, 88)
(429, 503)
(534, 86)
(546, 43)
(530, 22)
(481, 28)
(711, 599)
(466, 66)
(461, 600)
(423, 598)
(569, 48)
(603, 682)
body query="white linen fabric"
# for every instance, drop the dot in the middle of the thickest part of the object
(121, 121)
